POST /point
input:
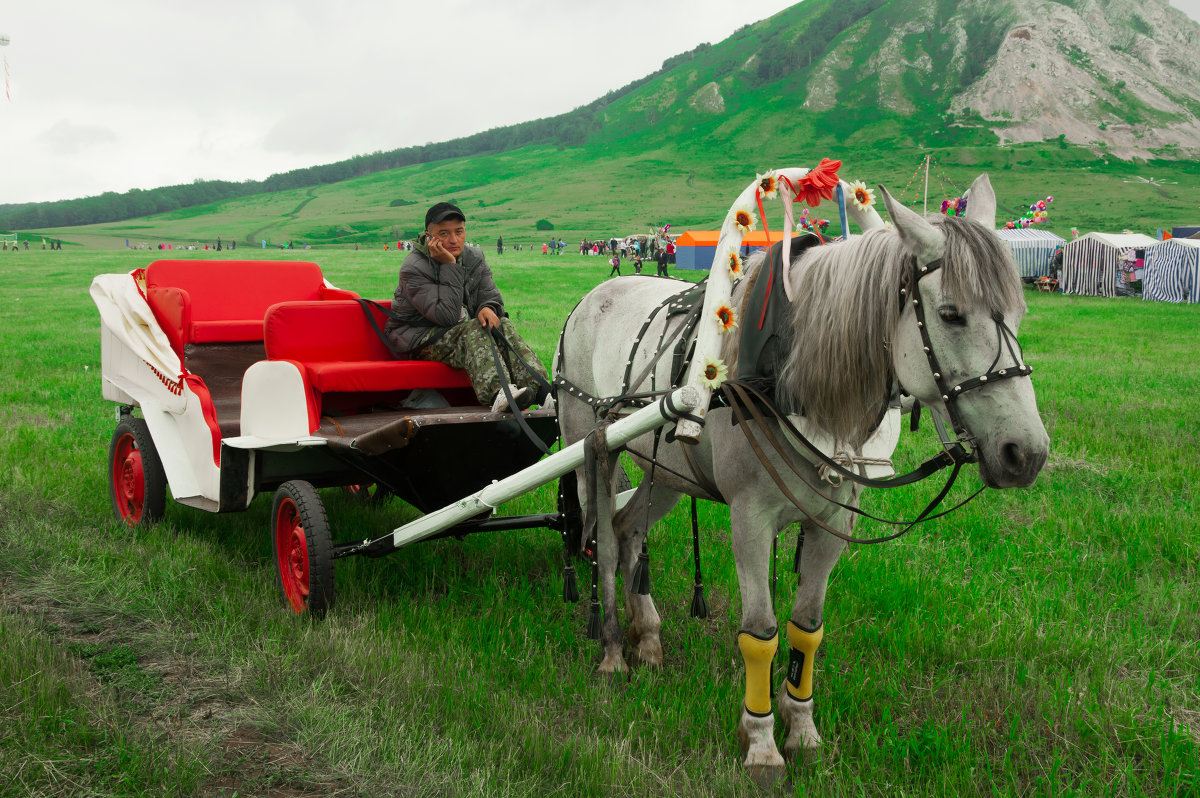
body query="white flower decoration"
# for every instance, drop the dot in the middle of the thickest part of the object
(715, 372)
(726, 318)
(768, 184)
(743, 218)
(861, 196)
(735, 266)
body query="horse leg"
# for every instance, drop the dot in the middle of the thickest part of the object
(607, 557)
(758, 641)
(805, 630)
(632, 525)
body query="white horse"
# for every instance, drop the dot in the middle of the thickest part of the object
(932, 306)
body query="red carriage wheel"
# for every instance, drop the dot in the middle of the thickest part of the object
(303, 548)
(136, 482)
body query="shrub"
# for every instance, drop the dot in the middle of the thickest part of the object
(544, 224)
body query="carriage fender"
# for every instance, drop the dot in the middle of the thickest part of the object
(277, 403)
(184, 445)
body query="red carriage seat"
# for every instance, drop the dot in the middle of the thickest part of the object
(338, 351)
(212, 312)
(225, 301)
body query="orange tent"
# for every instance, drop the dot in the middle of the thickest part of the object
(695, 249)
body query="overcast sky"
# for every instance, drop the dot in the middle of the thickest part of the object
(108, 96)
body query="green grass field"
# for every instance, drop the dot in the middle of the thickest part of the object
(1041, 641)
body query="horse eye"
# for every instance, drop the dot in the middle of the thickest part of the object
(950, 315)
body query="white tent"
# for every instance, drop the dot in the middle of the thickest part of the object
(1032, 249)
(1091, 263)
(1173, 271)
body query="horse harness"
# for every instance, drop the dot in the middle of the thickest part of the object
(679, 341)
(748, 400)
(1007, 339)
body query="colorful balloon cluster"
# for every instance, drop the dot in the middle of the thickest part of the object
(956, 207)
(1035, 215)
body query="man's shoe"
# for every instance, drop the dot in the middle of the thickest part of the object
(501, 402)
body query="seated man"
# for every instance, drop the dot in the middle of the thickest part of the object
(446, 306)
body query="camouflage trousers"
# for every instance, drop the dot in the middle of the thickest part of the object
(467, 345)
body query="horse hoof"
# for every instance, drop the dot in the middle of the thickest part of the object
(649, 652)
(613, 664)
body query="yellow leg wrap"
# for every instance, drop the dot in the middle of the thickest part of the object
(758, 654)
(800, 666)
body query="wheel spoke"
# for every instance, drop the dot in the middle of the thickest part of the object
(292, 551)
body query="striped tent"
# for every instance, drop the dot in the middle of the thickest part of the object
(1173, 271)
(1032, 249)
(1091, 263)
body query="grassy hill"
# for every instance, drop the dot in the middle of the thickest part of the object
(869, 82)
(591, 191)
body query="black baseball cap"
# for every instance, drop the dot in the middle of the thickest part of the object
(441, 212)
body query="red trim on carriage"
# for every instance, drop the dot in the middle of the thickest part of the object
(197, 386)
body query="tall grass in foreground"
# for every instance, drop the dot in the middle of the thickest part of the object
(1037, 641)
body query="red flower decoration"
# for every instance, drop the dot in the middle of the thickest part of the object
(819, 183)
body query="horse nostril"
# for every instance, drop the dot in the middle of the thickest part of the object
(1013, 457)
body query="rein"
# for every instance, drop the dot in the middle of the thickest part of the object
(744, 399)
(495, 337)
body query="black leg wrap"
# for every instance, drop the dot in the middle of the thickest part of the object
(641, 572)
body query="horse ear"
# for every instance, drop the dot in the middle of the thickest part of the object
(981, 202)
(918, 236)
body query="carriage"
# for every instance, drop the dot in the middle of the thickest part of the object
(257, 376)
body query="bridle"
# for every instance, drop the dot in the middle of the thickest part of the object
(959, 446)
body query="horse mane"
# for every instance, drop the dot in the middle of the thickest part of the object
(839, 372)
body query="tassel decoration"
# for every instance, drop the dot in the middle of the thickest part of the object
(641, 572)
(594, 621)
(699, 605)
(570, 588)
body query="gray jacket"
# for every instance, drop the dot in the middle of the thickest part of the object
(431, 297)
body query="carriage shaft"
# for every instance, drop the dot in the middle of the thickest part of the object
(549, 468)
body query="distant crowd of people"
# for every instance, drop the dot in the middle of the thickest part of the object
(15, 245)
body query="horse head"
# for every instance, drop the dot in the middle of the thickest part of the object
(955, 347)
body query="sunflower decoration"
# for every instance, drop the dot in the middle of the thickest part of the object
(768, 185)
(726, 318)
(861, 196)
(715, 372)
(735, 266)
(743, 218)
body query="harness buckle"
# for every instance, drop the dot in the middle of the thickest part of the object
(960, 454)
